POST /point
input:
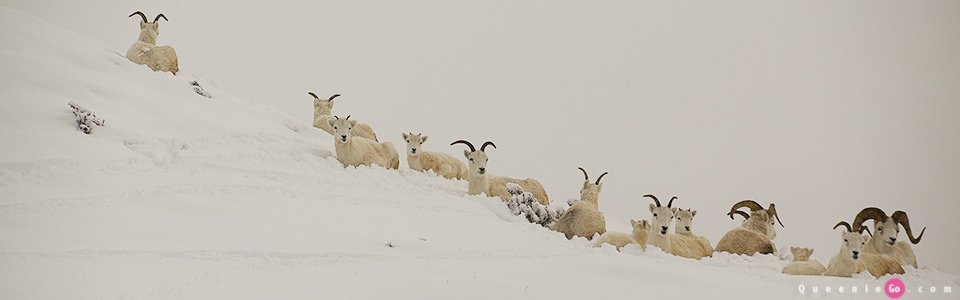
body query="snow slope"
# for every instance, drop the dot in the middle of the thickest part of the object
(183, 196)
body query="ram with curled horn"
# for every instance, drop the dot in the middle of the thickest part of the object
(323, 113)
(584, 218)
(886, 231)
(852, 259)
(755, 234)
(145, 50)
(482, 182)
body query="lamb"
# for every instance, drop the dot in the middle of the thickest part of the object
(886, 231)
(584, 218)
(322, 114)
(801, 264)
(684, 223)
(757, 232)
(619, 239)
(357, 151)
(441, 163)
(676, 244)
(851, 260)
(495, 186)
(145, 50)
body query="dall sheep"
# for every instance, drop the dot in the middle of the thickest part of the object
(676, 244)
(684, 226)
(323, 113)
(584, 218)
(494, 186)
(802, 265)
(757, 232)
(619, 240)
(886, 230)
(145, 50)
(851, 260)
(441, 163)
(359, 151)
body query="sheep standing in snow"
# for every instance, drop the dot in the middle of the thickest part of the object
(359, 151)
(441, 163)
(676, 244)
(584, 218)
(145, 50)
(851, 260)
(619, 240)
(802, 265)
(757, 232)
(323, 113)
(685, 223)
(494, 186)
(886, 230)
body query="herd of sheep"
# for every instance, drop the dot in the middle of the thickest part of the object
(356, 144)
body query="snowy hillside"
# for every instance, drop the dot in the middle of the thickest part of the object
(188, 197)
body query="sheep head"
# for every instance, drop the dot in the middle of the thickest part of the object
(759, 219)
(322, 106)
(476, 159)
(640, 230)
(342, 128)
(853, 241)
(151, 28)
(685, 220)
(801, 254)
(886, 229)
(414, 143)
(590, 190)
(662, 215)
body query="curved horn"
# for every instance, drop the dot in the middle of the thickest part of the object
(753, 205)
(654, 199)
(845, 224)
(901, 218)
(671, 201)
(772, 211)
(331, 97)
(862, 229)
(487, 143)
(160, 16)
(472, 149)
(601, 177)
(142, 16)
(737, 212)
(869, 213)
(314, 95)
(585, 177)
(348, 117)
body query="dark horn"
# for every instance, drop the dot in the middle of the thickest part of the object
(654, 199)
(472, 149)
(334, 96)
(160, 16)
(737, 212)
(601, 177)
(869, 213)
(752, 205)
(585, 177)
(772, 211)
(862, 229)
(142, 16)
(348, 117)
(845, 224)
(487, 143)
(901, 218)
(669, 204)
(314, 95)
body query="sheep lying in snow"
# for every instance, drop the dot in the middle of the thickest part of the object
(676, 244)
(322, 114)
(685, 223)
(584, 218)
(494, 186)
(801, 264)
(851, 260)
(756, 233)
(145, 50)
(619, 239)
(358, 151)
(886, 229)
(441, 163)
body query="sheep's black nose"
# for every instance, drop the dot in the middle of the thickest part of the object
(414, 150)
(893, 239)
(482, 169)
(687, 227)
(663, 227)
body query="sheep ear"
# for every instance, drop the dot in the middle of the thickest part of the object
(634, 223)
(652, 207)
(599, 187)
(423, 139)
(405, 136)
(466, 153)
(330, 122)
(674, 210)
(586, 183)
(353, 123)
(694, 213)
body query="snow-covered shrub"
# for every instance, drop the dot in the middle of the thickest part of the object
(199, 89)
(526, 204)
(85, 118)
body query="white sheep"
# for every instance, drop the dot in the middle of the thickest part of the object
(494, 186)
(619, 240)
(886, 231)
(584, 218)
(441, 163)
(685, 223)
(145, 50)
(357, 151)
(851, 260)
(802, 265)
(676, 244)
(755, 234)
(322, 114)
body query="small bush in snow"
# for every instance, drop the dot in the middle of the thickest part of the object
(526, 205)
(199, 89)
(85, 118)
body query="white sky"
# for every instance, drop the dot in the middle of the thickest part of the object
(823, 107)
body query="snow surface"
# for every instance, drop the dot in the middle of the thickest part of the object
(185, 196)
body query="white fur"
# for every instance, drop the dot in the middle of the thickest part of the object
(753, 236)
(145, 50)
(584, 218)
(620, 239)
(676, 244)
(884, 242)
(323, 113)
(357, 151)
(801, 264)
(684, 227)
(482, 182)
(441, 163)
(852, 260)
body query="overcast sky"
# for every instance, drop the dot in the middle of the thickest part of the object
(824, 107)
